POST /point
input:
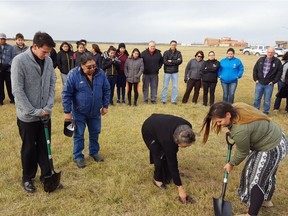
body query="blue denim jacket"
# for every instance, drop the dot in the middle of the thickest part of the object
(78, 96)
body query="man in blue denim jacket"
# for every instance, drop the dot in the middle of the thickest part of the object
(86, 96)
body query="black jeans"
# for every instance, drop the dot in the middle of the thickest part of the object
(34, 149)
(136, 94)
(196, 83)
(5, 76)
(206, 87)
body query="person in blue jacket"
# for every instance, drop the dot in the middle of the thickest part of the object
(86, 96)
(231, 69)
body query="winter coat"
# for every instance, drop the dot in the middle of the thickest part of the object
(274, 73)
(110, 66)
(65, 61)
(176, 57)
(98, 58)
(122, 57)
(78, 95)
(17, 50)
(152, 63)
(230, 70)
(133, 69)
(209, 71)
(192, 70)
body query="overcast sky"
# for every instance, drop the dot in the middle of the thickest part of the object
(257, 22)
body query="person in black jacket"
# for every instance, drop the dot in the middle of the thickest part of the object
(163, 134)
(172, 58)
(153, 61)
(53, 56)
(111, 65)
(209, 75)
(267, 71)
(65, 60)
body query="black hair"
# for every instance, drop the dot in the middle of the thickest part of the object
(111, 48)
(200, 52)
(65, 43)
(173, 41)
(96, 48)
(83, 41)
(42, 38)
(231, 50)
(217, 110)
(136, 50)
(19, 35)
(85, 58)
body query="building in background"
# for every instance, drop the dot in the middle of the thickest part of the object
(224, 41)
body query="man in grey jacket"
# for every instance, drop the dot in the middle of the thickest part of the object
(33, 86)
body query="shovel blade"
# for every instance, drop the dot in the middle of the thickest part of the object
(222, 207)
(52, 182)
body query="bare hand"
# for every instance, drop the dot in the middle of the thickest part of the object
(44, 113)
(68, 117)
(256, 81)
(104, 111)
(228, 167)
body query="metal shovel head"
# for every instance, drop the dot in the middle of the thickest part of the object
(52, 182)
(222, 207)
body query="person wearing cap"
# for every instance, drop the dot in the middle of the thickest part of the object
(33, 85)
(86, 96)
(163, 134)
(153, 61)
(20, 46)
(122, 55)
(6, 57)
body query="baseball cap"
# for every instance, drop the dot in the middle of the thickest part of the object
(2, 36)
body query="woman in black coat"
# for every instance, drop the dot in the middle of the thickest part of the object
(163, 134)
(209, 73)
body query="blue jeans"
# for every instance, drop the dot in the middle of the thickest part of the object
(267, 90)
(278, 100)
(174, 95)
(94, 126)
(229, 91)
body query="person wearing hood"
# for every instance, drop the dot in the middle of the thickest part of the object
(20, 46)
(209, 75)
(122, 55)
(231, 69)
(110, 65)
(64, 60)
(153, 61)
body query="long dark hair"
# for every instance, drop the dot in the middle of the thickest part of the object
(217, 110)
(96, 48)
(136, 50)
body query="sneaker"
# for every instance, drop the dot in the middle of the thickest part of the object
(118, 101)
(146, 101)
(174, 103)
(153, 102)
(123, 101)
(29, 186)
(267, 204)
(276, 110)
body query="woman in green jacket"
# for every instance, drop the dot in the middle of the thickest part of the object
(259, 140)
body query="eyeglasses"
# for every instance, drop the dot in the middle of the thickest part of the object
(200, 56)
(89, 67)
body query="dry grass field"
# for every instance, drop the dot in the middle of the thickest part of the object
(122, 184)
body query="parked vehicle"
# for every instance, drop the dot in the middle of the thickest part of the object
(279, 51)
(259, 50)
(247, 50)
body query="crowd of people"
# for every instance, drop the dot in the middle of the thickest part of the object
(89, 79)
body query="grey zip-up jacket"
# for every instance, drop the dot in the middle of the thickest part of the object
(33, 92)
(192, 70)
(133, 69)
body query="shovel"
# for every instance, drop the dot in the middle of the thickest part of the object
(52, 182)
(222, 207)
